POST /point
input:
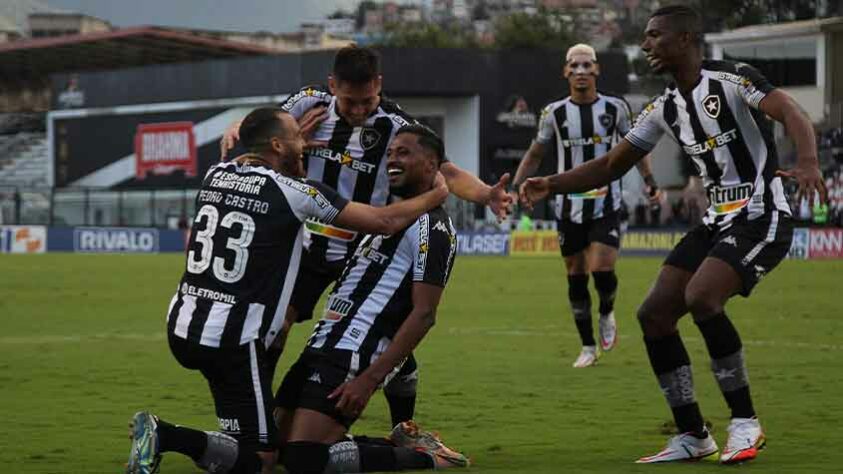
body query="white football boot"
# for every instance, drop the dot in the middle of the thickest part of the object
(608, 330)
(683, 447)
(745, 440)
(588, 357)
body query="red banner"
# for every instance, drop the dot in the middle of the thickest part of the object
(826, 243)
(162, 148)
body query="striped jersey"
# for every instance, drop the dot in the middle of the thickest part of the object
(353, 162)
(729, 140)
(583, 132)
(243, 254)
(374, 294)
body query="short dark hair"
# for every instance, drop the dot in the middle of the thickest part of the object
(427, 138)
(684, 20)
(357, 65)
(259, 126)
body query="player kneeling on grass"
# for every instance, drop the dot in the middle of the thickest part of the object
(379, 311)
(243, 255)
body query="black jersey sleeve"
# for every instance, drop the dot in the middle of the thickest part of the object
(434, 243)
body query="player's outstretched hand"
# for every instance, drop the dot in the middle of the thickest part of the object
(309, 122)
(229, 138)
(353, 396)
(500, 201)
(810, 182)
(533, 190)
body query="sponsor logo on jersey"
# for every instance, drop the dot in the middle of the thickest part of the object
(309, 92)
(593, 194)
(326, 230)
(318, 197)
(586, 141)
(344, 158)
(370, 251)
(424, 243)
(728, 199)
(369, 137)
(229, 425)
(648, 109)
(734, 78)
(711, 143)
(337, 308)
(711, 105)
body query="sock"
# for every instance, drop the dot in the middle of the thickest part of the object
(606, 284)
(672, 367)
(580, 301)
(400, 392)
(361, 455)
(182, 440)
(727, 362)
(305, 457)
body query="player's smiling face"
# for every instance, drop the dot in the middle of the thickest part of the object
(356, 102)
(661, 44)
(409, 166)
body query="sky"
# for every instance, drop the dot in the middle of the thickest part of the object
(235, 15)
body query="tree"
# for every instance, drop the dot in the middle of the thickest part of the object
(543, 30)
(426, 35)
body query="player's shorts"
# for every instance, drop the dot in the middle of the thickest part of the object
(312, 378)
(241, 386)
(315, 275)
(575, 237)
(752, 248)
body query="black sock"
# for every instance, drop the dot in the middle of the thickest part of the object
(375, 458)
(580, 301)
(304, 457)
(727, 362)
(672, 366)
(400, 392)
(606, 284)
(182, 440)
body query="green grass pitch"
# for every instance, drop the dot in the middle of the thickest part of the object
(82, 348)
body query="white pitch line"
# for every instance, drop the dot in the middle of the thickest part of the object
(544, 331)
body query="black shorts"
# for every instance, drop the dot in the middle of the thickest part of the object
(312, 378)
(240, 383)
(315, 275)
(574, 237)
(751, 248)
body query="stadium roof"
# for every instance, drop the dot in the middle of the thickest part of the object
(129, 47)
(777, 30)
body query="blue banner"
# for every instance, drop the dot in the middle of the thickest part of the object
(483, 243)
(114, 240)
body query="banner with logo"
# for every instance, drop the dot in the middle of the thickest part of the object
(483, 243)
(800, 244)
(162, 148)
(825, 243)
(23, 239)
(649, 243)
(540, 243)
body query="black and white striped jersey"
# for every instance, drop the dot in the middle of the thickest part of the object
(243, 254)
(374, 295)
(353, 163)
(582, 133)
(729, 140)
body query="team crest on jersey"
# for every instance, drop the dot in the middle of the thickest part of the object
(605, 120)
(369, 137)
(711, 105)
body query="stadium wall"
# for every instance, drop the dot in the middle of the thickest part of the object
(808, 243)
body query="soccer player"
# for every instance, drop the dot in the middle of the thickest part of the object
(349, 126)
(243, 256)
(376, 315)
(585, 125)
(716, 111)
